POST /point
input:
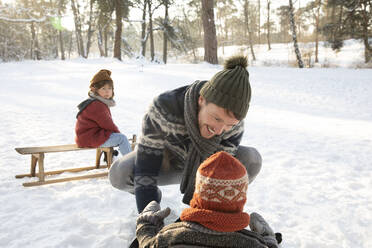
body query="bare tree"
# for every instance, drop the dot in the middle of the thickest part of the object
(60, 36)
(152, 48)
(78, 31)
(259, 21)
(90, 29)
(119, 26)
(165, 39)
(294, 36)
(210, 39)
(106, 9)
(247, 29)
(143, 26)
(268, 24)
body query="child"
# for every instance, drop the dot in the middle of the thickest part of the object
(94, 125)
(215, 217)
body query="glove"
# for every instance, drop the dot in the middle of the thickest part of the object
(152, 214)
(259, 225)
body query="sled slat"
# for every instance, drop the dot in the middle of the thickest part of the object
(59, 180)
(56, 172)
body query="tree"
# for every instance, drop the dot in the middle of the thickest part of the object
(313, 11)
(61, 7)
(210, 39)
(121, 11)
(247, 29)
(259, 21)
(294, 36)
(283, 13)
(268, 23)
(106, 9)
(166, 23)
(90, 27)
(355, 21)
(119, 26)
(78, 30)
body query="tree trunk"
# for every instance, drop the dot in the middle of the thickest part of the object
(143, 26)
(90, 31)
(268, 25)
(100, 42)
(61, 45)
(210, 39)
(165, 38)
(70, 47)
(259, 21)
(32, 43)
(246, 20)
(317, 31)
(105, 37)
(367, 47)
(60, 35)
(119, 26)
(188, 25)
(79, 37)
(35, 52)
(294, 36)
(152, 47)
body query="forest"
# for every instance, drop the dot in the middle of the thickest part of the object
(157, 29)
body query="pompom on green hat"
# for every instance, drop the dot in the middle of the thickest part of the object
(230, 88)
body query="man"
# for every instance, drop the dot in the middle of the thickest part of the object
(182, 128)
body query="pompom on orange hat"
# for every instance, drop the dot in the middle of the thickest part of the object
(220, 194)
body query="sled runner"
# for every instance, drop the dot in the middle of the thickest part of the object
(38, 154)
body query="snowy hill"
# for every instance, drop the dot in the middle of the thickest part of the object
(313, 128)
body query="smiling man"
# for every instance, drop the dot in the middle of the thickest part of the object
(182, 128)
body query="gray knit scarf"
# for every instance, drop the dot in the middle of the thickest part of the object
(201, 148)
(109, 102)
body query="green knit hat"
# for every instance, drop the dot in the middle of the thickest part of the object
(230, 88)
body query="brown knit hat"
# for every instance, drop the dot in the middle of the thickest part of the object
(230, 88)
(220, 194)
(102, 75)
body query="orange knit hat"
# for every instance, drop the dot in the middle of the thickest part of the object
(220, 194)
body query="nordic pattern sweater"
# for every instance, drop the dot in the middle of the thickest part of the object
(163, 127)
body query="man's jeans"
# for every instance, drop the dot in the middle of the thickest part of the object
(121, 171)
(118, 139)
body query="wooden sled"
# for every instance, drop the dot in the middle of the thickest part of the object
(37, 158)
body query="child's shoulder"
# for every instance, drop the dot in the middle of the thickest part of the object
(97, 104)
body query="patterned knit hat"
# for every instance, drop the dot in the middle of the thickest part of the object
(102, 75)
(220, 194)
(230, 88)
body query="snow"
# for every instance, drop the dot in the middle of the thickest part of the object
(313, 128)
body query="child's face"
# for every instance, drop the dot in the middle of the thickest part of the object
(105, 91)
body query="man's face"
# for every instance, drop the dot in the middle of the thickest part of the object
(213, 120)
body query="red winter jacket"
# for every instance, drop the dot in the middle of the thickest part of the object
(94, 125)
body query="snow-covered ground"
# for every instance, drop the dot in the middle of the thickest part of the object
(313, 128)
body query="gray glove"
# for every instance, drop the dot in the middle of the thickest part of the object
(259, 225)
(152, 214)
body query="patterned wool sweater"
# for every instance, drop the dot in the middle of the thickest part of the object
(163, 128)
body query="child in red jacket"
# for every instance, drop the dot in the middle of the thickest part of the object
(94, 125)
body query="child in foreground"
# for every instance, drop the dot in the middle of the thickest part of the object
(94, 125)
(215, 217)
